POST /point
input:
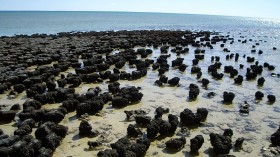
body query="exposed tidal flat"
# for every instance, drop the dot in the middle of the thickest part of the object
(130, 92)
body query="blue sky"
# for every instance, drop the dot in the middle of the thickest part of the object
(250, 8)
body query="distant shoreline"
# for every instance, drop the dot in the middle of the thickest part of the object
(132, 12)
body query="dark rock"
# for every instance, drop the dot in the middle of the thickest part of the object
(217, 75)
(108, 153)
(202, 112)
(131, 114)
(211, 94)
(70, 105)
(182, 67)
(261, 81)
(205, 82)
(144, 141)
(20, 149)
(188, 118)
(259, 95)
(119, 102)
(51, 85)
(195, 70)
(142, 120)
(114, 77)
(158, 83)
(271, 98)
(250, 59)
(174, 122)
(228, 132)
(193, 92)
(19, 88)
(271, 67)
(50, 127)
(7, 116)
(176, 144)
(195, 61)
(15, 107)
(139, 149)
(34, 146)
(221, 144)
(177, 62)
(133, 131)
(238, 80)
(5, 151)
(163, 79)
(275, 138)
(198, 75)
(174, 81)
(23, 130)
(228, 97)
(160, 111)
(196, 143)
(54, 115)
(6, 142)
(239, 142)
(114, 87)
(90, 107)
(93, 144)
(122, 145)
(45, 152)
(85, 129)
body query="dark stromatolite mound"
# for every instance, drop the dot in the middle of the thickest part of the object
(228, 132)
(196, 143)
(238, 143)
(93, 144)
(108, 153)
(162, 127)
(174, 81)
(221, 144)
(271, 98)
(259, 95)
(160, 111)
(261, 81)
(126, 96)
(238, 80)
(142, 120)
(188, 118)
(130, 115)
(205, 82)
(85, 129)
(91, 106)
(275, 138)
(133, 131)
(193, 92)
(176, 144)
(228, 97)
(125, 147)
(22, 130)
(7, 116)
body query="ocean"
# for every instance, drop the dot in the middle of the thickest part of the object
(51, 22)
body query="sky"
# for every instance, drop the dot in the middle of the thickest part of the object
(247, 8)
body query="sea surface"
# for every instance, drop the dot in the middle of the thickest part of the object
(51, 22)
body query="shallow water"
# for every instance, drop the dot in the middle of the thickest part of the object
(31, 22)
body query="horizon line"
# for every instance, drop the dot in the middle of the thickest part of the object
(135, 12)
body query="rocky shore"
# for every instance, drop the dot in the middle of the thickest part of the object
(138, 93)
